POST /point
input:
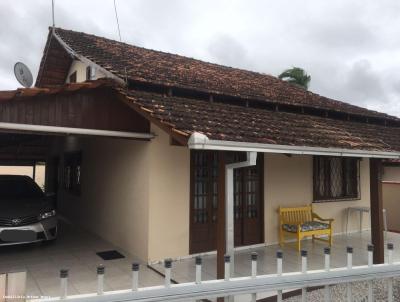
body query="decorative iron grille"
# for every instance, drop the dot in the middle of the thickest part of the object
(336, 178)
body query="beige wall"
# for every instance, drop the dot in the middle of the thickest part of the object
(391, 197)
(115, 191)
(134, 194)
(391, 174)
(169, 200)
(391, 202)
(289, 182)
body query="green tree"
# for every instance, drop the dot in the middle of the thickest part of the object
(296, 76)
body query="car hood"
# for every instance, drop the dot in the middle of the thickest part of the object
(21, 208)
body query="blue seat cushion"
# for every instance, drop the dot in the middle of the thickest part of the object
(306, 226)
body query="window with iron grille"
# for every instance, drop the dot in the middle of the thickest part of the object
(336, 178)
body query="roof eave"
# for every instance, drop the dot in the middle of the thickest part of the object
(200, 141)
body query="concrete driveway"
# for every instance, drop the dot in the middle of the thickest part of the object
(75, 250)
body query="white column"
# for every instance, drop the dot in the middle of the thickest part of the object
(349, 266)
(135, 276)
(64, 284)
(229, 205)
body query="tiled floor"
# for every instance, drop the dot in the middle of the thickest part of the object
(74, 250)
(183, 271)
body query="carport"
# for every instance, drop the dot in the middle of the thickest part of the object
(66, 128)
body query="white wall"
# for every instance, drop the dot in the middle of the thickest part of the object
(80, 69)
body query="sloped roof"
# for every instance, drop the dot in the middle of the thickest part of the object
(155, 67)
(218, 121)
(181, 117)
(228, 118)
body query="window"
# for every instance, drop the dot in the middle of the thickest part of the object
(72, 77)
(205, 199)
(88, 73)
(336, 178)
(72, 172)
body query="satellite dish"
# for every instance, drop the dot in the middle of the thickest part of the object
(23, 74)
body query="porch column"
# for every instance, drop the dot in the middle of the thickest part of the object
(251, 159)
(377, 236)
(221, 217)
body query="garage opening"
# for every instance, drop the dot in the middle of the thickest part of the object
(75, 146)
(35, 170)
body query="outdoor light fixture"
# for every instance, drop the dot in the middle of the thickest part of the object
(47, 215)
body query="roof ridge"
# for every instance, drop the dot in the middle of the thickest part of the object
(255, 84)
(171, 53)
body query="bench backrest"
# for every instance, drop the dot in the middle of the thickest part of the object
(296, 215)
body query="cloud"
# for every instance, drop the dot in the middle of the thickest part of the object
(363, 84)
(350, 48)
(352, 36)
(228, 51)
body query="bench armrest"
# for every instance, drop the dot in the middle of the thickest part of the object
(316, 216)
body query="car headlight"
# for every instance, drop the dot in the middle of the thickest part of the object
(47, 215)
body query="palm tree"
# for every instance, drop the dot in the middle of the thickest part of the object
(296, 76)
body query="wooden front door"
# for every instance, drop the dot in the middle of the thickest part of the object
(248, 201)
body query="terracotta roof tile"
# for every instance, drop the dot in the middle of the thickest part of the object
(155, 67)
(222, 121)
(237, 123)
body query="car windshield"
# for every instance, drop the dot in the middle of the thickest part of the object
(18, 188)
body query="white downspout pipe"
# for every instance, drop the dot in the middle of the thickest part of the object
(229, 206)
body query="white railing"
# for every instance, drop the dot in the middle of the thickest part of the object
(12, 286)
(230, 287)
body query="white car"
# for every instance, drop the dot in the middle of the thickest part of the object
(26, 214)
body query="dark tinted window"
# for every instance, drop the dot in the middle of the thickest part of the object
(88, 73)
(72, 78)
(19, 188)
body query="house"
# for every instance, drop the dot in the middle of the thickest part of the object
(391, 193)
(136, 144)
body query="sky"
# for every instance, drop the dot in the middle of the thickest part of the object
(351, 49)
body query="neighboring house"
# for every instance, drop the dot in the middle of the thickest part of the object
(391, 194)
(157, 187)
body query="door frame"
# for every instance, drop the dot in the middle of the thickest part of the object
(261, 167)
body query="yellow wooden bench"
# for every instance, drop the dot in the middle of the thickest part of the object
(303, 222)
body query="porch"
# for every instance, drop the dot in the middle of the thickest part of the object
(183, 270)
(78, 254)
(76, 251)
